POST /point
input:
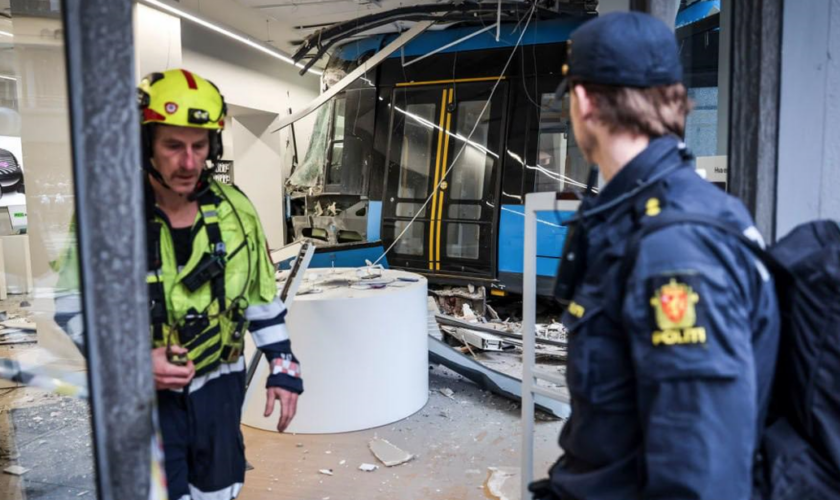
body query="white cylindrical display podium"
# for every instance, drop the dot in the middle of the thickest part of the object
(363, 353)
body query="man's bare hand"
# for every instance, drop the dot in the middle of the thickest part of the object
(288, 405)
(167, 375)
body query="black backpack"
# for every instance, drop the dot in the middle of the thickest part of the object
(800, 451)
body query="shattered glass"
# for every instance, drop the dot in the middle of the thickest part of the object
(307, 173)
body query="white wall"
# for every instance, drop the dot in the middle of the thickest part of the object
(257, 169)
(157, 41)
(809, 115)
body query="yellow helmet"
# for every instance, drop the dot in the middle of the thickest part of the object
(181, 98)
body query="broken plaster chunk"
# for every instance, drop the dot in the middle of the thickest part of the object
(504, 482)
(389, 454)
(16, 470)
(368, 467)
(20, 323)
(469, 315)
(326, 472)
(449, 393)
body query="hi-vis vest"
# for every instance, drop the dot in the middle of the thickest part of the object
(210, 320)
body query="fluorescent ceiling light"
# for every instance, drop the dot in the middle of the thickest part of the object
(6, 33)
(218, 29)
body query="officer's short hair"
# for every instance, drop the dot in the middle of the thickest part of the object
(652, 111)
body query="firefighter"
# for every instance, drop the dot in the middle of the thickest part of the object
(210, 279)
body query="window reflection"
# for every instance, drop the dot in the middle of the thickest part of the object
(46, 440)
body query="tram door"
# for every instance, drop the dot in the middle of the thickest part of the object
(443, 164)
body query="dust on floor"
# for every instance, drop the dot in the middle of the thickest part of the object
(454, 441)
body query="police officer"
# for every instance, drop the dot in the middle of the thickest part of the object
(673, 332)
(210, 279)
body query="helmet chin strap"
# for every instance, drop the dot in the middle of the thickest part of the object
(201, 186)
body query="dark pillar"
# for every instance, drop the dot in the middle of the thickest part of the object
(754, 107)
(109, 212)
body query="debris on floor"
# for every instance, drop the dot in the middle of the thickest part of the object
(553, 331)
(17, 336)
(452, 301)
(16, 470)
(19, 324)
(389, 454)
(326, 472)
(503, 378)
(479, 340)
(449, 393)
(503, 483)
(468, 313)
(368, 467)
(553, 334)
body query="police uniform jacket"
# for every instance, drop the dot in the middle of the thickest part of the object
(671, 356)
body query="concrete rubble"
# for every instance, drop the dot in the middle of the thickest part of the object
(389, 454)
(16, 470)
(446, 391)
(503, 483)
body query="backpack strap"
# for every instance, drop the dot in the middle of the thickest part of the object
(668, 219)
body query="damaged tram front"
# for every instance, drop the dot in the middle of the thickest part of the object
(431, 154)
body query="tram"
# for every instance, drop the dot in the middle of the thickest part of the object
(431, 160)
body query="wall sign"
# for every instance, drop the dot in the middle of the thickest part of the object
(224, 172)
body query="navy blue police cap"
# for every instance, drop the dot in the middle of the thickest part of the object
(624, 49)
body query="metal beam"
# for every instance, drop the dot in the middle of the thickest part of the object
(356, 73)
(754, 110)
(666, 10)
(112, 248)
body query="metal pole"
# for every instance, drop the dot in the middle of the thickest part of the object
(529, 319)
(495, 25)
(112, 248)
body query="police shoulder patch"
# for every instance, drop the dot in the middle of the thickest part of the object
(676, 315)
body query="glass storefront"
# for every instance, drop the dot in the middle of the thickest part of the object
(46, 439)
(436, 168)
